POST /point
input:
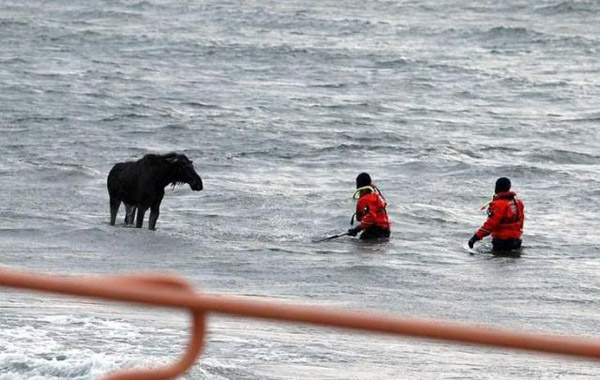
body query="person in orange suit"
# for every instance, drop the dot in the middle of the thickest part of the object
(506, 214)
(370, 210)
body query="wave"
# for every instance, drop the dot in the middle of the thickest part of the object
(506, 31)
(174, 128)
(19, 232)
(329, 85)
(11, 60)
(522, 36)
(570, 7)
(428, 213)
(108, 14)
(219, 371)
(510, 35)
(140, 5)
(25, 119)
(61, 171)
(127, 116)
(41, 354)
(539, 170)
(362, 270)
(356, 147)
(592, 117)
(353, 107)
(559, 156)
(27, 215)
(202, 105)
(394, 63)
(10, 23)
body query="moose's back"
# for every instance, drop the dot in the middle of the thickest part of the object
(123, 181)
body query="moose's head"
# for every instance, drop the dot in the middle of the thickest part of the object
(182, 171)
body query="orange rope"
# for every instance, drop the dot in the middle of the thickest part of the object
(170, 291)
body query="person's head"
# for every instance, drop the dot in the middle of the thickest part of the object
(502, 184)
(362, 180)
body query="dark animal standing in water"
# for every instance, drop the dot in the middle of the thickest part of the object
(141, 185)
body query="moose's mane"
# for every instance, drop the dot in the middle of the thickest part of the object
(170, 155)
(165, 156)
(155, 158)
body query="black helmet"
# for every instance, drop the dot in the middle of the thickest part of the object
(502, 184)
(363, 179)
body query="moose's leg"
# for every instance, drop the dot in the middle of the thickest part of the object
(154, 212)
(114, 208)
(129, 214)
(140, 216)
(132, 217)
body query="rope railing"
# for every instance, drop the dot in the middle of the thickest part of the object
(173, 292)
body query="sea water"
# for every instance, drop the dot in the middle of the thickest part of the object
(280, 104)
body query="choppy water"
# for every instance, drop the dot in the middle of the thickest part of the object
(281, 105)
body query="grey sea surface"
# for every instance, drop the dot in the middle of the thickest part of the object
(280, 104)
